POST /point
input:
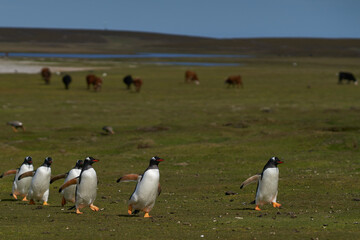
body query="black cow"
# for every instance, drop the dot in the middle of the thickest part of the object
(66, 80)
(128, 80)
(347, 76)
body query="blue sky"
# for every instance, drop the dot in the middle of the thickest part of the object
(209, 18)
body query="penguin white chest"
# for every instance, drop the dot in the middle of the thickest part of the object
(22, 186)
(146, 190)
(86, 188)
(268, 186)
(40, 182)
(69, 192)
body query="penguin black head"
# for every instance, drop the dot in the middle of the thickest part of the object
(90, 160)
(272, 163)
(275, 161)
(79, 164)
(47, 162)
(28, 160)
(155, 160)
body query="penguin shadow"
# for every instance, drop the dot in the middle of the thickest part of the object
(9, 200)
(128, 216)
(242, 209)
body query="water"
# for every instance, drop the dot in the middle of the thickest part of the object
(203, 64)
(137, 55)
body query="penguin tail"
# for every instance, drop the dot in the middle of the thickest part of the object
(135, 212)
(71, 208)
(253, 202)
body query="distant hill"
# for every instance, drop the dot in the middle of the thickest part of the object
(118, 42)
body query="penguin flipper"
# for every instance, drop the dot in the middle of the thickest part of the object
(26, 174)
(159, 189)
(57, 177)
(129, 178)
(69, 183)
(13, 171)
(252, 179)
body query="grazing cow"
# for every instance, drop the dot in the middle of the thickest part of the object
(137, 83)
(347, 76)
(128, 80)
(191, 76)
(66, 80)
(46, 75)
(234, 81)
(91, 79)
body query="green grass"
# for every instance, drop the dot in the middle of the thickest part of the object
(212, 138)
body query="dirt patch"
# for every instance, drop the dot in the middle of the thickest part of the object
(237, 125)
(153, 128)
(341, 129)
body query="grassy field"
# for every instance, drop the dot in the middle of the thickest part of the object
(211, 137)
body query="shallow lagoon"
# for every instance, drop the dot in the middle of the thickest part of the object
(137, 56)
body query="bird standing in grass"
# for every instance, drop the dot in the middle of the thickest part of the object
(39, 187)
(21, 187)
(147, 188)
(69, 192)
(15, 125)
(109, 130)
(267, 188)
(86, 186)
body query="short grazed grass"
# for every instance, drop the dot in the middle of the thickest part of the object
(211, 137)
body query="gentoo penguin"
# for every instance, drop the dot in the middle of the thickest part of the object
(267, 188)
(147, 188)
(86, 186)
(69, 192)
(39, 187)
(21, 187)
(15, 125)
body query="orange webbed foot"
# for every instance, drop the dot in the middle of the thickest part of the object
(78, 211)
(14, 196)
(45, 204)
(25, 199)
(276, 205)
(257, 208)
(129, 209)
(94, 208)
(147, 215)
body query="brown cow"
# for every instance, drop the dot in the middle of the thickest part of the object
(46, 75)
(191, 76)
(91, 79)
(137, 83)
(234, 81)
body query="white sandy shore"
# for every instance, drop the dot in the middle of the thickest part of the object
(21, 66)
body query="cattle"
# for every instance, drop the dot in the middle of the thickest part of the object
(191, 76)
(128, 80)
(46, 75)
(67, 80)
(347, 76)
(137, 83)
(234, 81)
(91, 79)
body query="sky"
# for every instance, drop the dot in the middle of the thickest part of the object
(206, 18)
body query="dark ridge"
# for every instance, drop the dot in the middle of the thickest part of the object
(119, 42)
